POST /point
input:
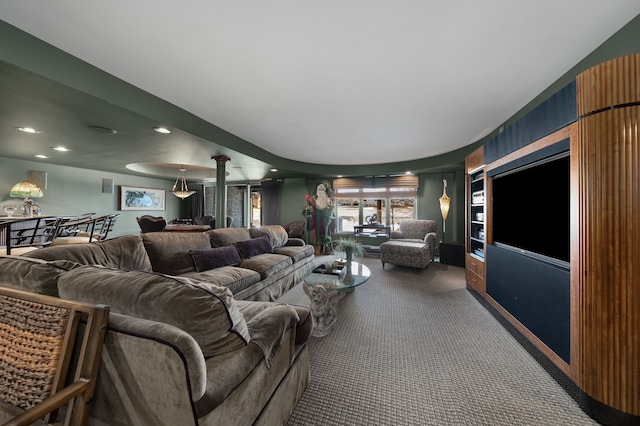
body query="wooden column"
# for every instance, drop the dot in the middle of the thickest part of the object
(609, 242)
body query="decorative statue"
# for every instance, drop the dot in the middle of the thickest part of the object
(319, 212)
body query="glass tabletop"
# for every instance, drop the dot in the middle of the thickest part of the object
(339, 280)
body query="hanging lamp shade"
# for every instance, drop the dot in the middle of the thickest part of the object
(445, 202)
(25, 189)
(183, 191)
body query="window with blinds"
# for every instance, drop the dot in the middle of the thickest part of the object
(387, 201)
(372, 187)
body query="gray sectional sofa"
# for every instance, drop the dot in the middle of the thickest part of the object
(193, 335)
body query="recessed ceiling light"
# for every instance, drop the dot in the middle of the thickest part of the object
(408, 173)
(61, 149)
(162, 130)
(102, 129)
(41, 156)
(28, 130)
(273, 170)
(339, 176)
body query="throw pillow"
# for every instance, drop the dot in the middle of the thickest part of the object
(254, 247)
(211, 258)
(205, 311)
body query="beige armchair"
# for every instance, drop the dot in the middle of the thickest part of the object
(413, 245)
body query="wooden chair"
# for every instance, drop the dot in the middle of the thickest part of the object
(202, 220)
(40, 374)
(24, 235)
(212, 222)
(151, 223)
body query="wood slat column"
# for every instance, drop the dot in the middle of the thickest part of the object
(609, 240)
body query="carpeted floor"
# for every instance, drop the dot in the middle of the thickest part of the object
(413, 348)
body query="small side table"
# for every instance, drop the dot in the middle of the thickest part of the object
(452, 254)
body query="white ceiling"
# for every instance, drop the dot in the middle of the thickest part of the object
(375, 81)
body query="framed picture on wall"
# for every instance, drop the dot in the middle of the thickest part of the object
(135, 198)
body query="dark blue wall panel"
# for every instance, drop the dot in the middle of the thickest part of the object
(535, 292)
(553, 114)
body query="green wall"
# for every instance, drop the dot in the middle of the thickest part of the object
(73, 191)
(429, 193)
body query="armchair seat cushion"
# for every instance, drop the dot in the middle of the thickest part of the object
(405, 253)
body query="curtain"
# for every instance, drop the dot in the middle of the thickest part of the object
(195, 205)
(270, 201)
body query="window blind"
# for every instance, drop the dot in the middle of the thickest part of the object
(372, 187)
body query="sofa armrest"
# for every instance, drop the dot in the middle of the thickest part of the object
(141, 349)
(430, 240)
(295, 242)
(396, 235)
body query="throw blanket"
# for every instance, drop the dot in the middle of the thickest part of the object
(269, 328)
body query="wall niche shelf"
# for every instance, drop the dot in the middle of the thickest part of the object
(476, 215)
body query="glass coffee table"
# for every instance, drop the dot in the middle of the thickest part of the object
(326, 287)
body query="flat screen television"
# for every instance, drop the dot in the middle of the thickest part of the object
(531, 209)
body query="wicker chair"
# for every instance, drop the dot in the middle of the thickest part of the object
(39, 374)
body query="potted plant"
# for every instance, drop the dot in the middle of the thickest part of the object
(350, 247)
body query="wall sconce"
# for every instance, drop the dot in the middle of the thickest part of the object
(183, 192)
(445, 202)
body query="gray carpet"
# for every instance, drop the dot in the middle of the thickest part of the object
(413, 348)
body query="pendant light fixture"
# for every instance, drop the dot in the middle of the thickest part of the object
(183, 192)
(445, 202)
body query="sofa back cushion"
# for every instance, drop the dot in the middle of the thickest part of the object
(126, 252)
(417, 229)
(215, 257)
(276, 234)
(205, 311)
(169, 251)
(33, 275)
(227, 236)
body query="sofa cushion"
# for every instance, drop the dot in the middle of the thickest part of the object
(296, 253)
(227, 236)
(295, 242)
(169, 251)
(276, 234)
(254, 247)
(267, 264)
(234, 278)
(210, 258)
(206, 311)
(125, 252)
(33, 275)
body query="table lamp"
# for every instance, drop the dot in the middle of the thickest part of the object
(27, 190)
